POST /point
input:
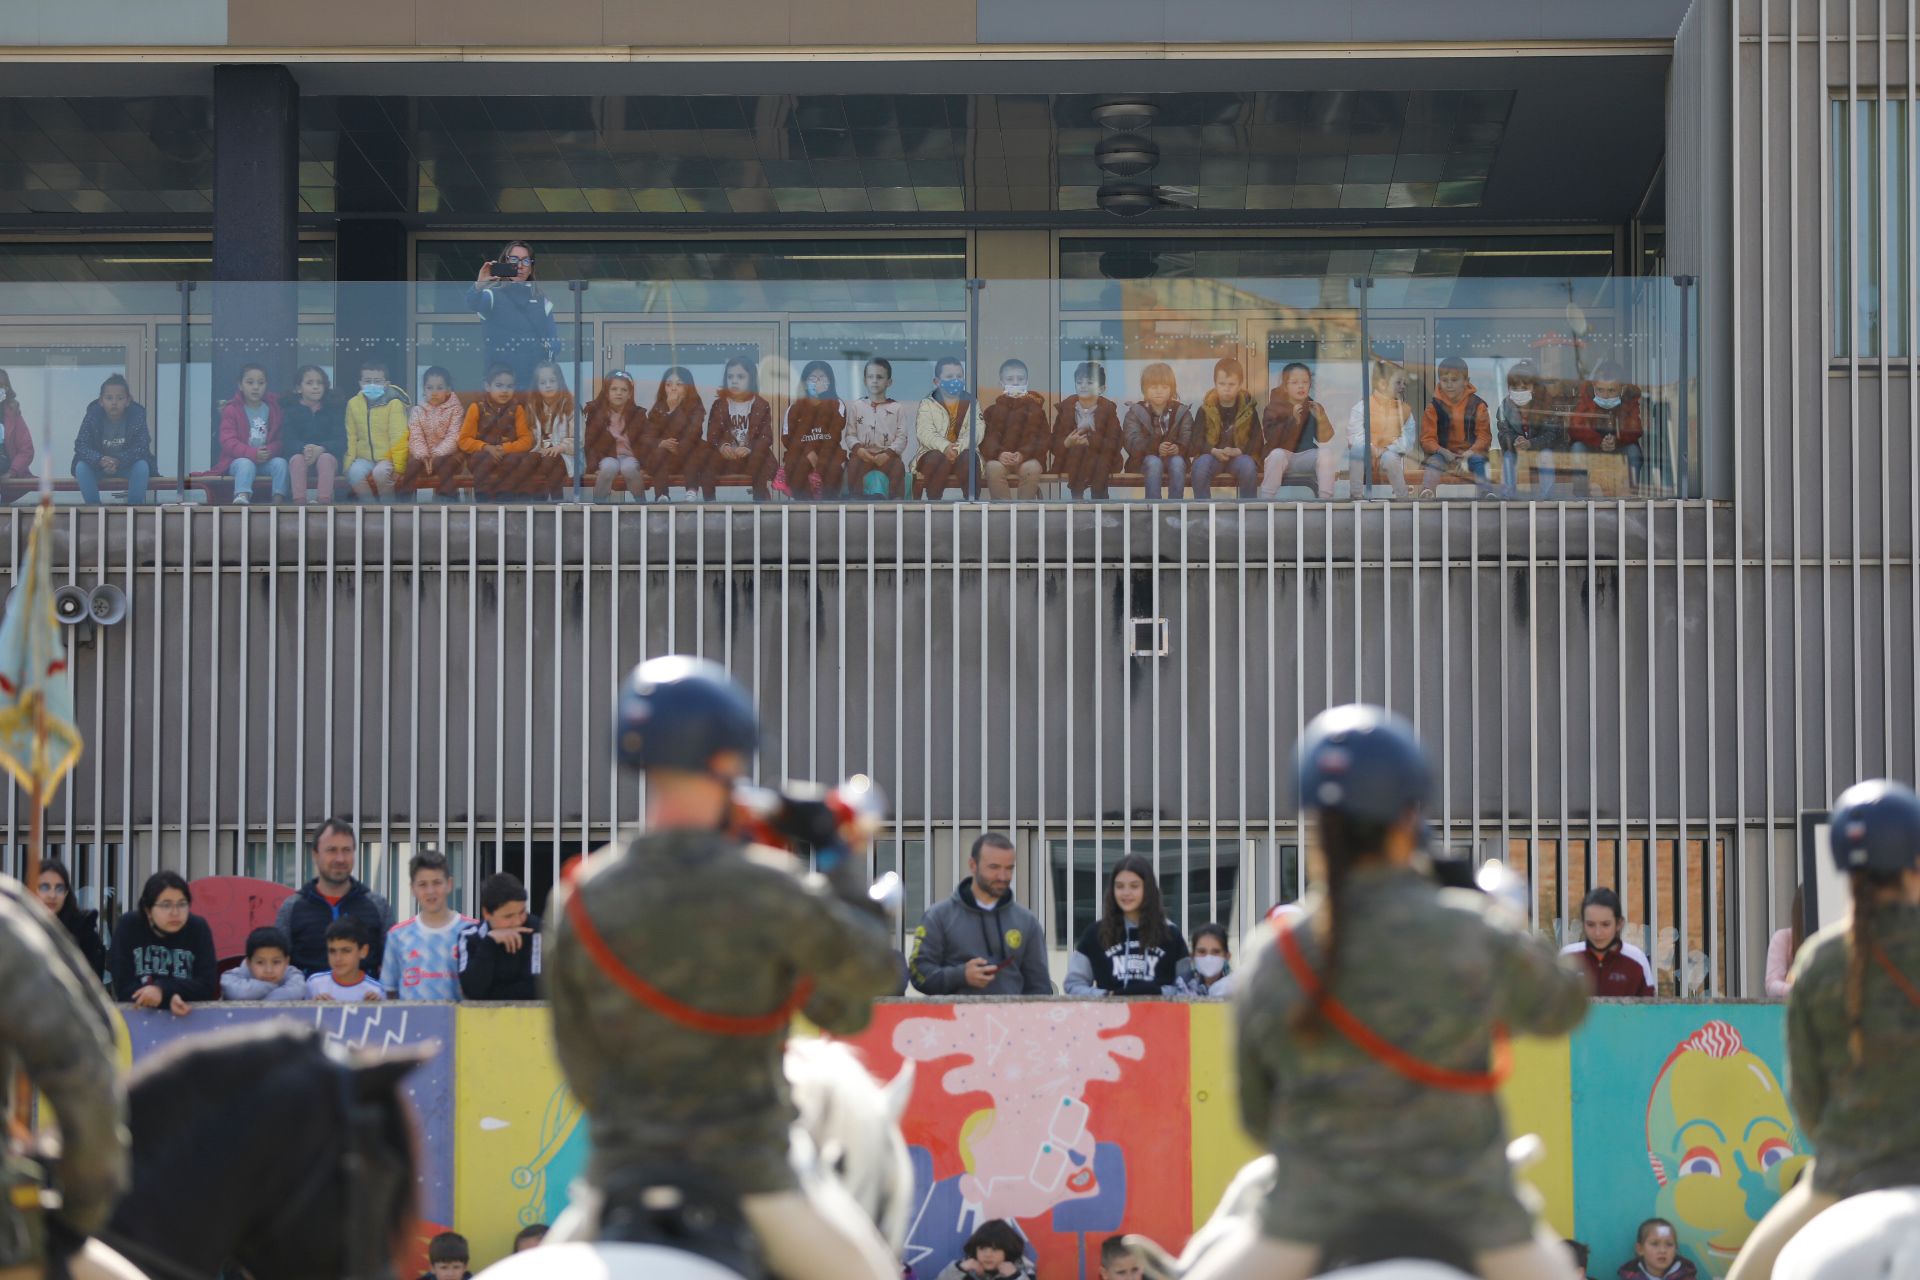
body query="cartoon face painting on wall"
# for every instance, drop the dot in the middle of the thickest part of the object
(1722, 1144)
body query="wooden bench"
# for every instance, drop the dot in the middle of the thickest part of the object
(13, 488)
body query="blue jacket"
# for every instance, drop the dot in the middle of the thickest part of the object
(518, 327)
(306, 915)
(129, 441)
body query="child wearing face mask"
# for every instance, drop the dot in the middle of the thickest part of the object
(1607, 418)
(16, 442)
(250, 436)
(739, 433)
(1087, 438)
(1529, 431)
(816, 421)
(1013, 450)
(947, 425)
(433, 437)
(1208, 974)
(377, 439)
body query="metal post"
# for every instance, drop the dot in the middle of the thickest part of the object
(578, 288)
(1686, 377)
(1363, 283)
(186, 359)
(973, 362)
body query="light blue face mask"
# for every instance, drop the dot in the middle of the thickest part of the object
(952, 388)
(373, 390)
(1607, 402)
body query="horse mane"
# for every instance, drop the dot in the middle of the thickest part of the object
(849, 1116)
(233, 1065)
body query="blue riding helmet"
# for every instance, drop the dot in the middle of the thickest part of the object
(1876, 827)
(679, 713)
(1363, 762)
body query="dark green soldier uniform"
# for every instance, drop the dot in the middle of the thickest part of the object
(726, 929)
(1437, 970)
(56, 1025)
(1863, 1120)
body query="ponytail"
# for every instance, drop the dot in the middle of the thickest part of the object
(1860, 944)
(1344, 843)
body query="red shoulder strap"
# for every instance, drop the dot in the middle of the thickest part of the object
(1388, 1055)
(1900, 979)
(651, 997)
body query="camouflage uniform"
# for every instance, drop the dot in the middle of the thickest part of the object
(56, 1024)
(1862, 1120)
(728, 929)
(1431, 970)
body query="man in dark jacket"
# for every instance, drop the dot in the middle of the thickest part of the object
(332, 893)
(980, 942)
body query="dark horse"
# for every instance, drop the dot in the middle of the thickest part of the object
(269, 1149)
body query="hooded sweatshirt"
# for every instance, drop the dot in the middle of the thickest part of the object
(433, 430)
(127, 441)
(180, 964)
(960, 929)
(239, 984)
(1128, 968)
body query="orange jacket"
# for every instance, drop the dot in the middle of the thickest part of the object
(1458, 426)
(489, 423)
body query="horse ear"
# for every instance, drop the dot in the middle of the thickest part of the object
(381, 1076)
(899, 1092)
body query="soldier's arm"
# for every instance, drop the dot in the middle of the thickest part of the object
(1806, 1082)
(1544, 993)
(567, 980)
(58, 1028)
(848, 953)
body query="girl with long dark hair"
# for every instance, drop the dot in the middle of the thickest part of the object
(816, 420)
(313, 433)
(1372, 1031)
(739, 432)
(162, 955)
(55, 890)
(1132, 949)
(676, 442)
(1853, 1024)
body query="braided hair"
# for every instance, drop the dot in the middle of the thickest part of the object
(1346, 843)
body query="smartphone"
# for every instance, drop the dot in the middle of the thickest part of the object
(504, 270)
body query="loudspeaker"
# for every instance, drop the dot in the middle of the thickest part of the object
(71, 604)
(107, 604)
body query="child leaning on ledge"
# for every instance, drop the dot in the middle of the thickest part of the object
(267, 973)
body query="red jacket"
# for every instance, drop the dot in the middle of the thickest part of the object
(236, 438)
(1614, 971)
(16, 451)
(1590, 422)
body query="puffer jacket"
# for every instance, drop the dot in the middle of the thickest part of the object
(377, 432)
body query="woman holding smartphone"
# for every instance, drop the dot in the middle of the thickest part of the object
(516, 315)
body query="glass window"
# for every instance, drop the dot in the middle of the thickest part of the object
(1125, 348)
(910, 346)
(663, 276)
(1195, 889)
(1864, 323)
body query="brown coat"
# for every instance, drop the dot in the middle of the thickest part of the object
(1017, 426)
(759, 424)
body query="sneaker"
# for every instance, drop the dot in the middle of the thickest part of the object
(1426, 493)
(242, 499)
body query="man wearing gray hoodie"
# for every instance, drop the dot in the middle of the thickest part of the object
(980, 942)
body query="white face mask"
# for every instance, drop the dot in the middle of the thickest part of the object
(1209, 966)
(1607, 402)
(1521, 398)
(1015, 387)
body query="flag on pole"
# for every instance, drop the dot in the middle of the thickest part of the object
(38, 741)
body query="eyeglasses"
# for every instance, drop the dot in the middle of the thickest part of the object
(172, 906)
(54, 889)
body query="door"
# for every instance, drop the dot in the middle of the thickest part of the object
(56, 371)
(647, 350)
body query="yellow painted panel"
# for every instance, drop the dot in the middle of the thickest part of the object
(1220, 1148)
(1539, 1100)
(518, 1135)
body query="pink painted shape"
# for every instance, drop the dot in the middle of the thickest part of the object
(1035, 1061)
(234, 906)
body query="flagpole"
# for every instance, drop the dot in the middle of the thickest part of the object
(36, 834)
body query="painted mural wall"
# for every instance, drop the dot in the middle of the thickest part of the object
(1077, 1119)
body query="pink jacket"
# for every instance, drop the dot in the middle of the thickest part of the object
(16, 452)
(236, 439)
(433, 430)
(1779, 964)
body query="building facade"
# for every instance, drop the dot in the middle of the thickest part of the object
(1646, 675)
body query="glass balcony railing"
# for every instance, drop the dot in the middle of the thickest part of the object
(1307, 389)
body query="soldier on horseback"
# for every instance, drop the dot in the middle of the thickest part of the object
(675, 963)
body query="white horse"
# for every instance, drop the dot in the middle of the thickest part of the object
(1432, 1257)
(849, 1131)
(1874, 1236)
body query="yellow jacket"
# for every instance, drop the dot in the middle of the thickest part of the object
(379, 435)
